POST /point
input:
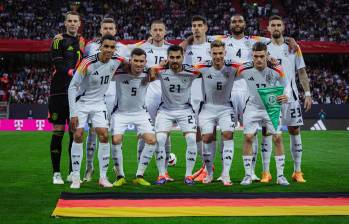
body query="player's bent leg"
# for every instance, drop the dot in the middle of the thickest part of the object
(296, 152)
(76, 157)
(160, 156)
(280, 160)
(103, 156)
(227, 155)
(266, 154)
(247, 158)
(207, 139)
(116, 152)
(191, 153)
(147, 154)
(90, 150)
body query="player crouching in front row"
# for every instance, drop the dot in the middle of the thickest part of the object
(129, 108)
(257, 75)
(86, 99)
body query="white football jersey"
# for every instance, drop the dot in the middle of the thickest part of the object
(154, 54)
(91, 81)
(239, 51)
(290, 62)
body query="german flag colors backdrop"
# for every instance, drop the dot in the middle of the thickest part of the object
(214, 204)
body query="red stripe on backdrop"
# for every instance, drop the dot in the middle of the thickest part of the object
(205, 202)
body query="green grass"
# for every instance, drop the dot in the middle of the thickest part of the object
(28, 196)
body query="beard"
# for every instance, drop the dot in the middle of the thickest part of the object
(276, 35)
(238, 31)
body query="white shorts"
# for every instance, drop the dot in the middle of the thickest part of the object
(185, 119)
(239, 98)
(254, 118)
(153, 98)
(211, 115)
(292, 114)
(97, 114)
(141, 119)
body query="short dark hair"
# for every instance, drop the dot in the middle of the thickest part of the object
(198, 18)
(107, 37)
(73, 13)
(175, 48)
(108, 20)
(259, 46)
(275, 17)
(217, 43)
(138, 52)
(237, 14)
(157, 21)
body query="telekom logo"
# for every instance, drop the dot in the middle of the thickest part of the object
(40, 124)
(18, 125)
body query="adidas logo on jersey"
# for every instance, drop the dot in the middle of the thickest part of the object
(251, 78)
(167, 79)
(230, 45)
(151, 51)
(209, 77)
(299, 121)
(190, 53)
(95, 73)
(125, 82)
(318, 126)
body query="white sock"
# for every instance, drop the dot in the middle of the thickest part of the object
(213, 151)
(280, 165)
(76, 157)
(247, 165)
(90, 148)
(190, 153)
(140, 147)
(296, 151)
(160, 153)
(200, 149)
(103, 159)
(207, 158)
(116, 153)
(254, 152)
(266, 152)
(168, 151)
(228, 154)
(146, 156)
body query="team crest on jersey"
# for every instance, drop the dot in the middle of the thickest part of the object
(185, 80)
(286, 52)
(112, 68)
(247, 43)
(226, 74)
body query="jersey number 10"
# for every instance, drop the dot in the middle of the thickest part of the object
(104, 79)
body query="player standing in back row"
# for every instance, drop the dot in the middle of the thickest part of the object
(292, 63)
(66, 54)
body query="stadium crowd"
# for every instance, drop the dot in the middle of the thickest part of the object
(22, 20)
(32, 85)
(29, 85)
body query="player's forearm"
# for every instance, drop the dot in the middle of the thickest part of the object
(304, 80)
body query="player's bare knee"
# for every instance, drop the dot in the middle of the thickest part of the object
(227, 135)
(249, 138)
(78, 135)
(207, 138)
(117, 139)
(293, 130)
(277, 138)
(150, 139)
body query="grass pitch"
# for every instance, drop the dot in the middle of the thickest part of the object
(28, 195)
